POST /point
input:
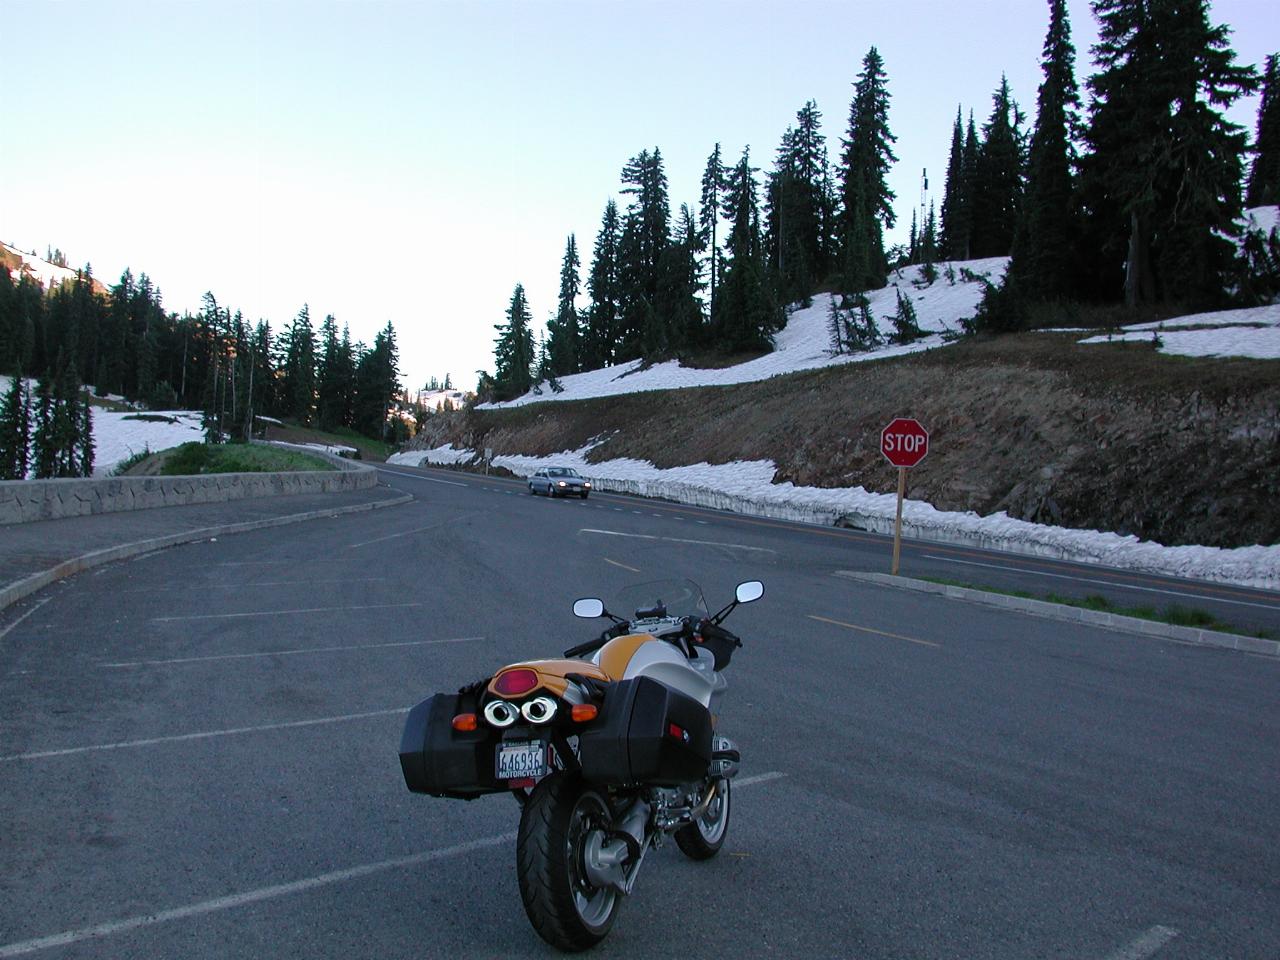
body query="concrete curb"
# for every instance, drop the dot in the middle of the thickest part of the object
(1059, 611)
(24, 588)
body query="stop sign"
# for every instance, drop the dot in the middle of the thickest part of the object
(904, 442)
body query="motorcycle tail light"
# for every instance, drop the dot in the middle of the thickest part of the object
(465, 722)
(515, 682)
(582, 712)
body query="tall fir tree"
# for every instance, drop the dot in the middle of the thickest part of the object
(747, 315)
(678, 311)
(954, 239)
(997, 195)
(1042, 266)
(867, 200)
(1162, 177)
(713, 181)
(300, 368)
(1264, 174)
(645, 235)
(15, 429)
(600, 338)
(797, 208)
(513, 349)
(563, 336)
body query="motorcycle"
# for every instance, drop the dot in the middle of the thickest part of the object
(608, 752)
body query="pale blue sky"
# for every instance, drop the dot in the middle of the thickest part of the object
(412, 162)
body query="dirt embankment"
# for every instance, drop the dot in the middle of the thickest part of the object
(1111, 437)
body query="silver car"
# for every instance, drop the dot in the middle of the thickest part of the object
(559, 482)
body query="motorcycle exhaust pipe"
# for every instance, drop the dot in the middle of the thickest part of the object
(539, 710)
(500, 713)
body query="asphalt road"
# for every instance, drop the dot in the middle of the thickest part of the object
(198, 750)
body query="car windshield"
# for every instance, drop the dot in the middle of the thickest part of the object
(679, 598)
(562, 472)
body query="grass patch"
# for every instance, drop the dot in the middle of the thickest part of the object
(1174, 615)
(196, 458)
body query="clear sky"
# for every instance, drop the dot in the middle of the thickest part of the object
(413, 161)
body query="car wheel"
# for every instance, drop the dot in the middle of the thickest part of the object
(584, 494)
(532, 491)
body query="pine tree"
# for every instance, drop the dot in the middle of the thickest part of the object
(713, 181)
(797, 205)
(1264, 174)
(955, 226)
(600, 340)
(747, 314)
(645, 235)
(678, 312)
(867, 200)
(906, 329)
(1162, 179)
(1042, 266)
(15, 430)
(513, 350)
(997, 197)
(563, 339)
(44, 457)
(300, 368)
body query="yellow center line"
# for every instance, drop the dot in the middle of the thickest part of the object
(622, 565)
(881, 633)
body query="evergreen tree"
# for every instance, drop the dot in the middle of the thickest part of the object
(300, 368)
(1162, 179)
(955, 228)
(867, 200)
(330, 401)
(645, 235)
(15, 430)
(600, 341)
(713, 181)
(678, 312)
(563, 346)
(747, 314)
(1048, 230)
(44, 457)
(797, 208)
(377, 381)
(1264, 174)
(906, 329)
(513, 350)
(997, 196)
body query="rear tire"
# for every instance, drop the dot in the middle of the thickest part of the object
(564, 908)
(702, 839)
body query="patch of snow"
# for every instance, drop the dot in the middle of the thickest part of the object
(804, 343)
(1253, 332)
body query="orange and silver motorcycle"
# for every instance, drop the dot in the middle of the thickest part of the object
(608, 751)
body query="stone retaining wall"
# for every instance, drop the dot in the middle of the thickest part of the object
(25, 500)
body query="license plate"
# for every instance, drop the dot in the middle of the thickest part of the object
(520, 759)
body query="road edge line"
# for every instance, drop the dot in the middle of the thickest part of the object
(1135, 626)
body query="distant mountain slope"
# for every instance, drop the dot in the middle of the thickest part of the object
(39, 269)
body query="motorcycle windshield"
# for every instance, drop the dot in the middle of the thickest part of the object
(660, 598)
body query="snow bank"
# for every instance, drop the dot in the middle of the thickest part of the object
(748, 488)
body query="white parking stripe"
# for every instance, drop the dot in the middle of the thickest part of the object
(287, 653)
(281, 613)
(251, 896)
(260, 894)
(1146, 945)
(701, 543)
(206, 735)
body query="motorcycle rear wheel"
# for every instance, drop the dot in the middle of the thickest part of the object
(702, 839)
(564, 907)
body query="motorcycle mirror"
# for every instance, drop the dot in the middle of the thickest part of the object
(588, 608)
(751, 590)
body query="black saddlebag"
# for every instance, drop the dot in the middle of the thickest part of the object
(442, 761)
(646, 733)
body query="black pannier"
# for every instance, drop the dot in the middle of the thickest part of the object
(646, 733)
(442, 761)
